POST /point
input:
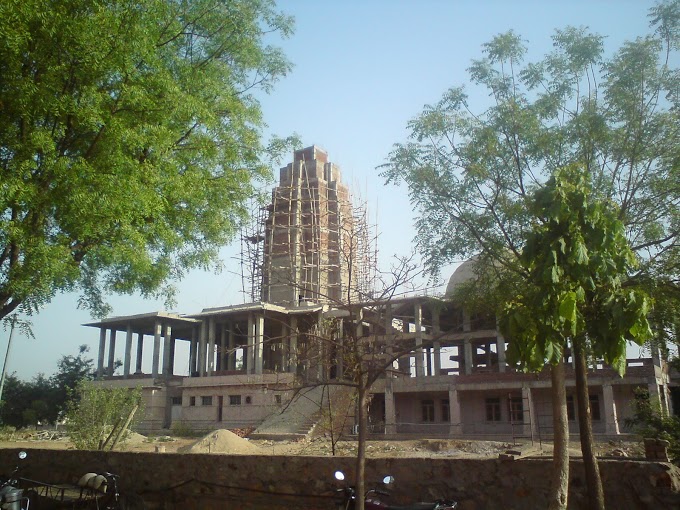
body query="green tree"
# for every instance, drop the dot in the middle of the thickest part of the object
(27, 403)
(45, 399)
(100, 417)
(470, 175)
(577, 259)
(130, 138)
(14, 399)
(71, 370)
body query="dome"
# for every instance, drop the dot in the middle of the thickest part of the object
(464, 273)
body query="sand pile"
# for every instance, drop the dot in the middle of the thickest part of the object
(135, 438)
(222, 441)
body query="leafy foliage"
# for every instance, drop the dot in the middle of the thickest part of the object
(44, 400)
(99, 417)
(129, 140)
(650, 422)
(576, 259)
(471, 174)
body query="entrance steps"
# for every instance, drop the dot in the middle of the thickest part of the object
(298, 418)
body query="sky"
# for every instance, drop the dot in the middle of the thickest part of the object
(362, 70)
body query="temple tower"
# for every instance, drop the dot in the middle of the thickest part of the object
(309, 237)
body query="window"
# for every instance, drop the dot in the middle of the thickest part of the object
(446, 413)
(176, 401)
(594, 407)
(249, 399)
(192, 401)
(493, 409)
(428, 410)
(234, 400)
(206, 401)
(277, 399)
(516, 410)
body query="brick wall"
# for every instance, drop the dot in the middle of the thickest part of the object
(196, 481)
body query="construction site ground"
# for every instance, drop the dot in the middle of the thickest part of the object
(226, 442)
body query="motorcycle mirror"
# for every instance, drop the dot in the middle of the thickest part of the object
(339, 476)
(388, 480)
(22, 455)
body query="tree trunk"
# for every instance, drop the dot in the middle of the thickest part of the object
(559, 486)
(361, 446)
(593, 480)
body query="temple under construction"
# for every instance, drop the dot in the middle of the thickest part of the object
(309, 263)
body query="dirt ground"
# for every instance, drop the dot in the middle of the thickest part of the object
(225, 442)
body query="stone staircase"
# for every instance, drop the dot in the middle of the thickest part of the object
(297, 419)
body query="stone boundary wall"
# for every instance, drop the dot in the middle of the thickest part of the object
(204, 481)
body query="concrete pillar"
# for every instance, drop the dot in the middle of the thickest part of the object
(388, 318)
(202, 348)
(390, 408)
(436, 331)
(100, 357)
(155, 360)
(193, 352)
(292, 350)
(610, 414)
(467, 354)
(128, 352)
(211, 345)
(231, 355)
(437, 359)
(388, 329)
(171, 366)
(167, 350)
(222, 356)
(529, 427)
(112, 352)
(455, 417)
(259, 342)
(500, 350)
(418, 313)
(140, 350)
(250, 348)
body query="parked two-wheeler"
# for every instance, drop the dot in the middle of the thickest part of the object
(11, 497)
(374, 498)
(92, 491)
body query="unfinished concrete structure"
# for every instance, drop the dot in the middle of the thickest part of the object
(444, 371)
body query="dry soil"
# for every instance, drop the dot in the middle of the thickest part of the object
(226, 442)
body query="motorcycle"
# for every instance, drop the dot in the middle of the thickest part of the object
(11, 497)
(373, 500)
(92, 491)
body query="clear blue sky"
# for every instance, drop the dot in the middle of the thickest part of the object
(362, 70)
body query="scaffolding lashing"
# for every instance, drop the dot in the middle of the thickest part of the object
(252, 253)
